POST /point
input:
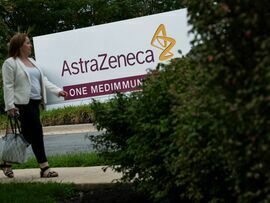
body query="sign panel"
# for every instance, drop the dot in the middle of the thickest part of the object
(97, 61)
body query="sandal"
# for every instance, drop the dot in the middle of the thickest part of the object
(47, 173)
(7, 170)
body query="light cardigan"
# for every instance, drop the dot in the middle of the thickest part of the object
(17, 83)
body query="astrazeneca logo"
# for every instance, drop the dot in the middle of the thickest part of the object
(162, 42)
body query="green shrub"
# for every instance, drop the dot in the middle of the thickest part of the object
(67, 115)
(62, 116)
(140, 131)
(3, 121)
(199, 130)
(234, 49)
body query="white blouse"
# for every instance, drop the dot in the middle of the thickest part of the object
(35, 77)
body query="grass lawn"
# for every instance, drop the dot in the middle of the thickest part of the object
(36, 192)
(67, 160)
(57, 192)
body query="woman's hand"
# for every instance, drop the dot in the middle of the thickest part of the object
(13, 112)
(62, 94)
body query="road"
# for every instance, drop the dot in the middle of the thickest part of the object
(66, 143)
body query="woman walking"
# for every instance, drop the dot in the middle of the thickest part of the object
(24, 90)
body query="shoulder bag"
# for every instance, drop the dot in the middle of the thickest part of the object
(13, 146)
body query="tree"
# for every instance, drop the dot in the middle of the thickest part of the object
(50, 16)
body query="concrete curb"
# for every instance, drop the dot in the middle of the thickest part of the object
(64, 129)
(67, 129)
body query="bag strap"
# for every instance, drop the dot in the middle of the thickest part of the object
(17, 125)
(14, 125)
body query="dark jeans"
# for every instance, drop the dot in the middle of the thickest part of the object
(32, 128)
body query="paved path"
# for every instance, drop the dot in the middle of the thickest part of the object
(77, 175)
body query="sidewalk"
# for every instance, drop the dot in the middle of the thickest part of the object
(82, 176)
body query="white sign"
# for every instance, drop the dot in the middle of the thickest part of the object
(100, 60)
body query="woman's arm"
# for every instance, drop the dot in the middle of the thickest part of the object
(8, 85)
(53, 88)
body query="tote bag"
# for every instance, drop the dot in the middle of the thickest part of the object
(13, 146)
